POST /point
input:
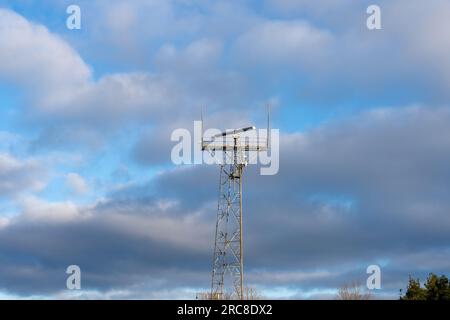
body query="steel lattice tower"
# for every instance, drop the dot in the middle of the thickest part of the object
(228, 253)
(228, 263)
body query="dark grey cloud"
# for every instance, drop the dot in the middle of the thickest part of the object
(114, 249)
(370, 190)
(352, 193)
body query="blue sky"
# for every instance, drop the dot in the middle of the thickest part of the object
(85, 123)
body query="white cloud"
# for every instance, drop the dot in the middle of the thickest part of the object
(200, 54)
(76, 183)
(331, 50)
(61, 84)
(18, 175)
(31, 55)
(42, 211)
(283, 42)
(4, 222)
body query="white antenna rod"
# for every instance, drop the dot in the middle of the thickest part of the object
(201, 126)
(268, 127)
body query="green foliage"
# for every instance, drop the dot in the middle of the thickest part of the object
(436, 288)
(414, 291)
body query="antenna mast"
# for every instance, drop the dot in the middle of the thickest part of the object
(228, 258)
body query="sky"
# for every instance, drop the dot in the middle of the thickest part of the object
(86, 117)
